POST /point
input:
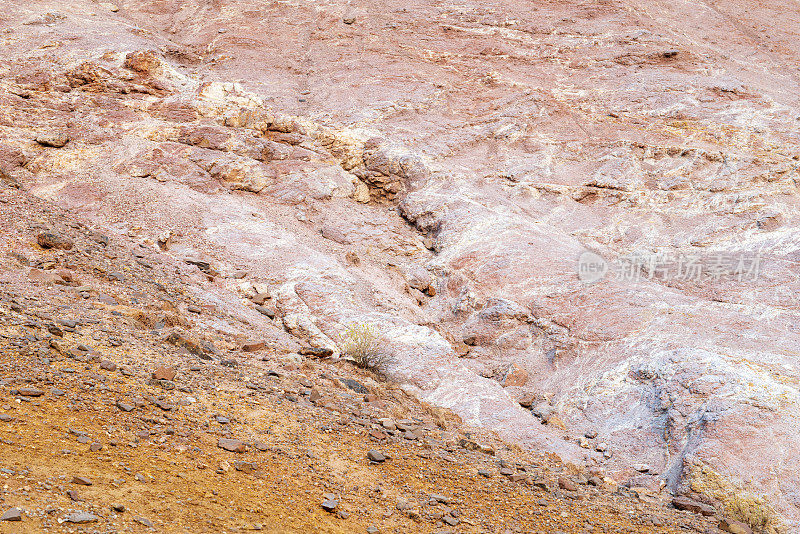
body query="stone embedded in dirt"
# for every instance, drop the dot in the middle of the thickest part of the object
(48, 240)
(245, 467)
(260, 298)
(30, 392)
(96, 446)
(734, 527)
(316, 352)
(5, 418)
(80, 518)
(75, 496)
(119, 508)
(56, 331)
(514, 375)
(567, 484)
(376, 456)
(439, 498)
(260, 445)
(266, 310)
(125, 407)
(355, 385)
(378, 434)
(83, 481)
(518, 477)
(642, 468)
(450, 520)
(232, 445)
(15, 514)
(690, 505)
(52, 139)
(181, 339)
(164, 372)
(83, 438)
(329, 505)
(527, 399)
(543, 411)
(144, 521)
(254, 346)
(107, 365)
(472, 445)
(315, 395)
(229, 362)
(163, 404)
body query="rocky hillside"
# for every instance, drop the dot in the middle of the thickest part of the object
(200, 198)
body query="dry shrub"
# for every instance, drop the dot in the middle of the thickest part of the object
(361, 342)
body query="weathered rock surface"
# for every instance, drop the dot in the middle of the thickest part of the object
(467, 181)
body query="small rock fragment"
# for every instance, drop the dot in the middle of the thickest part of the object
(567, 484)
(233, 445)
(143, 521)
(30, 392)
(125, 407)
(329, 505)
(164, 373)
(15, 514)
(48, 240)
(107, 365)
(80, 518)
(690, 505)
(316, 352)
(52, 139)
(376, 456)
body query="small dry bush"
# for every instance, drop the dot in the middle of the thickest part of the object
(362, 343)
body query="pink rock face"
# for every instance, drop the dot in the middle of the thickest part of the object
(440, 172)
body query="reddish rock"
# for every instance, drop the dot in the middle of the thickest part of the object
(567, 484)
(232, 445)
(514, 376)
(164, 373)
(254, 346)
(690, 505)
(48, 240)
